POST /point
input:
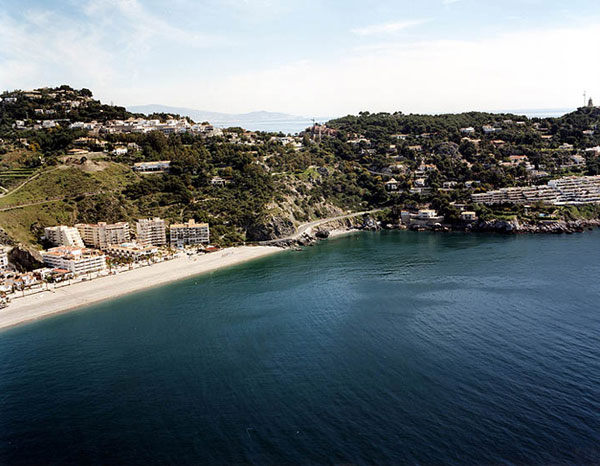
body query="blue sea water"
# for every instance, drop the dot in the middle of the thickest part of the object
(375, 348)
(272, 126)
(294, 126)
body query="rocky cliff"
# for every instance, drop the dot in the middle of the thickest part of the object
(270, 228)
(516, 226)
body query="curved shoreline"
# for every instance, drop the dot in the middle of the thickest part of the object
(45, 304)
(49, 303)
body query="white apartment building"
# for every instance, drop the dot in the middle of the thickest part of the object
(428, 214)
(562, 191)
(120, 151)
(468, 216)
(184, 234)
(75, 260)
(489, 129)
(63, 236)
(3, 257)
(102, 234)
(151, 232)
(423, 218)
(131, 250)
(152, 167)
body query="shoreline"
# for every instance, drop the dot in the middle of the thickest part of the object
(45, 304)
(68, 298)
(340, 232)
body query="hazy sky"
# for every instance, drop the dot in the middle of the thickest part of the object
(308, 57)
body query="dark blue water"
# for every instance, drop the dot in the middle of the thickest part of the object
(370, 349)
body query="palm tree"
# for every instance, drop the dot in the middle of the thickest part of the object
(109, 262)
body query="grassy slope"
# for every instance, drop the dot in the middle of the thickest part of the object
(24, 224)
(70, 181)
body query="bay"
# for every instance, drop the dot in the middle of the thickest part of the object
(374, 348)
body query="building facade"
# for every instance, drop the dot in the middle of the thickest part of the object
(63, 236)
(152, 167)
(190, 233)
(3, 257)
(151, 232)
(563, 191)
(76, 260)
(102, 234)
(131, 251)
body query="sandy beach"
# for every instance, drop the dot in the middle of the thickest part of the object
(337, 233)
(34, 307)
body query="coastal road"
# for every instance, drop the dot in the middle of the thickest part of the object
(307, 227)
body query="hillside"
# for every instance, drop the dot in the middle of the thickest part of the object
(253, 186)
(65, 193)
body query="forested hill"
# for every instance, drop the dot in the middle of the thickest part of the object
(386, 124)
(568, 128)
(62, 103)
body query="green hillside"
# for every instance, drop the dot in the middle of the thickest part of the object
(63, 175)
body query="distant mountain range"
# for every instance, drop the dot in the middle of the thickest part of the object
(283, 122)
(216, 117)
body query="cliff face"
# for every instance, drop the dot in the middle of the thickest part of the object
(24, 260)
(272, 227)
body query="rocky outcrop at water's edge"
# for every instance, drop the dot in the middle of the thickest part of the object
(369, 223)
(516, 226)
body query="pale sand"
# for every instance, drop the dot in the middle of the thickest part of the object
(338, 233)
(48, 303)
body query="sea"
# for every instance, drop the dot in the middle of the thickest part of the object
(291, 126)
(373, 348)
(298, 125)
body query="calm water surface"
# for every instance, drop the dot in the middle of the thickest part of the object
(370, 349)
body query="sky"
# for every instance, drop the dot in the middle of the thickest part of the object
(308, 57)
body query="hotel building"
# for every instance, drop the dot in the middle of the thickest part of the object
(190, 233)
(102, 234)
(151, 232)
(63, 236)
(75, 260)
(131, 251)
(571, 190)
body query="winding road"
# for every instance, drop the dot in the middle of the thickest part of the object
(307, 227)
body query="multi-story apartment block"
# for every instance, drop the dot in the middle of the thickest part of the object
(131, 251)
(183, 234)
(63, 236)
(562, 191)
(102, 234)
(75, 260)
(3, 257)
(151, 232)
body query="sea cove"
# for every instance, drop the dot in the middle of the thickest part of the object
(382, 348)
